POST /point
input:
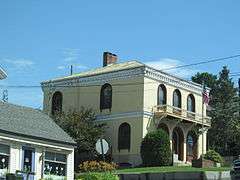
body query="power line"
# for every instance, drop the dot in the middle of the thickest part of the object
(202, 62)
(235, 75)
(234, 72)
(166, 69)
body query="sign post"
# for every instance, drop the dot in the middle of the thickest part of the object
(102, 147)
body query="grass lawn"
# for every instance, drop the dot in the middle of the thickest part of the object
(169, 169)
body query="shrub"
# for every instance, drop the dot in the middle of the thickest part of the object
(98, 176)
(155, 149)
(95, 166)
(213, 156)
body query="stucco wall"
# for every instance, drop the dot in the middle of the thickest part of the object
(111, 135)
(127, 96)
(151, 95)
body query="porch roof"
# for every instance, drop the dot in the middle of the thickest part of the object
(31, 123)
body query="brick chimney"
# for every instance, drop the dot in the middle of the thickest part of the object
(109, 58)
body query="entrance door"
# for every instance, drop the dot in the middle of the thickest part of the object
(177, 140)
(28, 163)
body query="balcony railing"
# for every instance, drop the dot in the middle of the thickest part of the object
(181, 113)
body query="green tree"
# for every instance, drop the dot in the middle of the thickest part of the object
(208, 78)
(155, 149)
(223, 133)
(81, 126)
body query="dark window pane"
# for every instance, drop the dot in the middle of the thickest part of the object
(191, 103)
(61, 157)
(177, 99)
(50, 156)
(56, 103)
(4, 149)
(106, 97)
(27, 164)
(124, 136)
(162, 93)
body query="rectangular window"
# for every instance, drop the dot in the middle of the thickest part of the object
(4, 159)
(55, 164)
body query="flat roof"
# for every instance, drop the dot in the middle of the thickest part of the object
(114, 68)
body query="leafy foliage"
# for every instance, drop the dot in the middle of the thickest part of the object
(98, 176)
(213, 156)
(95, 166)
(224, 105)
(155, 149)
(82, 128)
(209, 79)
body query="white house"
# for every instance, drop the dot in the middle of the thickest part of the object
(31, 141)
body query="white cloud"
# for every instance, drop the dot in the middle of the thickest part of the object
(61, 67)
(75, 66)
(82, 67)
(166, 63)
(71, 55)
(19, 64)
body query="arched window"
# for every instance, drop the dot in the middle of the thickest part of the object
(162, 95)
(57, 103)
(124, 136)
(106, 97)
(177, 99)
(190, 103)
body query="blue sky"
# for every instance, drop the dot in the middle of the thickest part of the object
(39, 40)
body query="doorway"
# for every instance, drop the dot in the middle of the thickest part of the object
(28, 163)
(177, 142)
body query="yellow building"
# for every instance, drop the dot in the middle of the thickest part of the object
(133, 99)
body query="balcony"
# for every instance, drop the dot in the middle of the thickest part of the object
(176, 112)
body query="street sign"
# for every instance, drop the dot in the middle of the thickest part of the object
(102, 146)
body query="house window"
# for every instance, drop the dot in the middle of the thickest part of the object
(191, 103)
(124, 136)
(177, 98)
(4, 159)
(55, 164)
(106, 97)
(162, 95)
(57, 103)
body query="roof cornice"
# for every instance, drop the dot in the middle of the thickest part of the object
(171, 79)
(95, 80)
(145, 71)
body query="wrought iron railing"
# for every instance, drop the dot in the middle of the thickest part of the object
(181, 113)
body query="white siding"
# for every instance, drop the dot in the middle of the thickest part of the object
(70, 166)
(16, 144)
(38, 163)
(14, 158)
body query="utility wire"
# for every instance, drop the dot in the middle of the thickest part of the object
(234, 72)
(234, 75)
(166, 69)
(202, 62)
